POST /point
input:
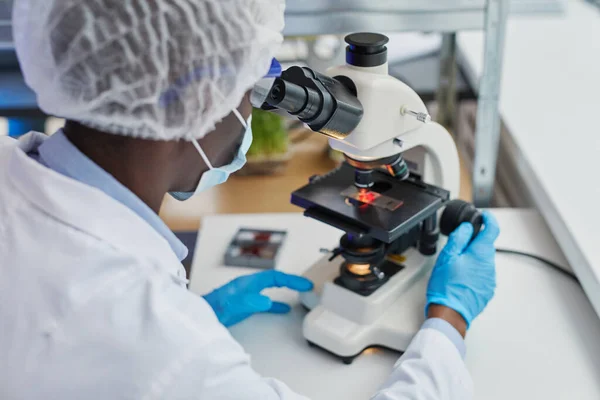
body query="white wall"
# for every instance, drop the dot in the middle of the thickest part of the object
(3, 126)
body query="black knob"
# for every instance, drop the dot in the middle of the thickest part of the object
(457, 212)
(366, 49)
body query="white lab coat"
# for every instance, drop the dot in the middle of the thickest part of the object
(93, 306)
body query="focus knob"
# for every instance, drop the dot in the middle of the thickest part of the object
(457, 212)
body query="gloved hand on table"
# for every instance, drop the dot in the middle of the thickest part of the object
(241, 297)
(464, 277)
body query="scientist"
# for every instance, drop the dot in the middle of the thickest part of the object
(93, 303)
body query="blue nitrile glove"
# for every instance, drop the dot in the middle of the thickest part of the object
(241, 297)
(464, 277)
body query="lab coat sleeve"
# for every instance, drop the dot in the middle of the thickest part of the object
(214, 365)
(223, 372)
(432, 368)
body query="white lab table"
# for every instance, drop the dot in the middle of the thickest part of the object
(538, 339)
(550, 102)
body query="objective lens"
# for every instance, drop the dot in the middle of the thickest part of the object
(399, 169)
(363, 178)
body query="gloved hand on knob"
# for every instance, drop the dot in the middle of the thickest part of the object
(464, 277)
(242, 297)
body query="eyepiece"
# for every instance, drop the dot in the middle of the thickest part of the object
(366, 49)
(327, 105)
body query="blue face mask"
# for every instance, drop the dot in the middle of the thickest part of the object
(216, 176)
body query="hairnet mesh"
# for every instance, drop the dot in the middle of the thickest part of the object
(156, 69)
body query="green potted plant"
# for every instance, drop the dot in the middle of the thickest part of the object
(270, 150)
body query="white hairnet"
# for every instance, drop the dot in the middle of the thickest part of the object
(156, 69)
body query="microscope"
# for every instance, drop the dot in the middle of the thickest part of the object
(400, 170)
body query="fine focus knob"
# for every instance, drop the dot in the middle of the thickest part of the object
(457, 212)
(366, 49)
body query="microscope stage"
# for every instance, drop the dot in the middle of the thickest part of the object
(326, 200)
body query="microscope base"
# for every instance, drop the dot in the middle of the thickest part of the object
(345, 323)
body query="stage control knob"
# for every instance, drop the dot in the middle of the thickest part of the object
(457, 212)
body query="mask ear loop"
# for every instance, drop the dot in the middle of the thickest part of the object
(239, 117)
(203, 154)
(235, 111)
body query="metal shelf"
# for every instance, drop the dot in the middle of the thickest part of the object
(5, 25)
(318, 17)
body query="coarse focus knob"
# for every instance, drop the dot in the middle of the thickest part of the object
(457, 212)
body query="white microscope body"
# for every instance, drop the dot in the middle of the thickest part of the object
(341, 321)
(377, 122)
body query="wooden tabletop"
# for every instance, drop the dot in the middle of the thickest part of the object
(262, 194)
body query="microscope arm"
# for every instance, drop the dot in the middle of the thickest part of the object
(442, 165)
